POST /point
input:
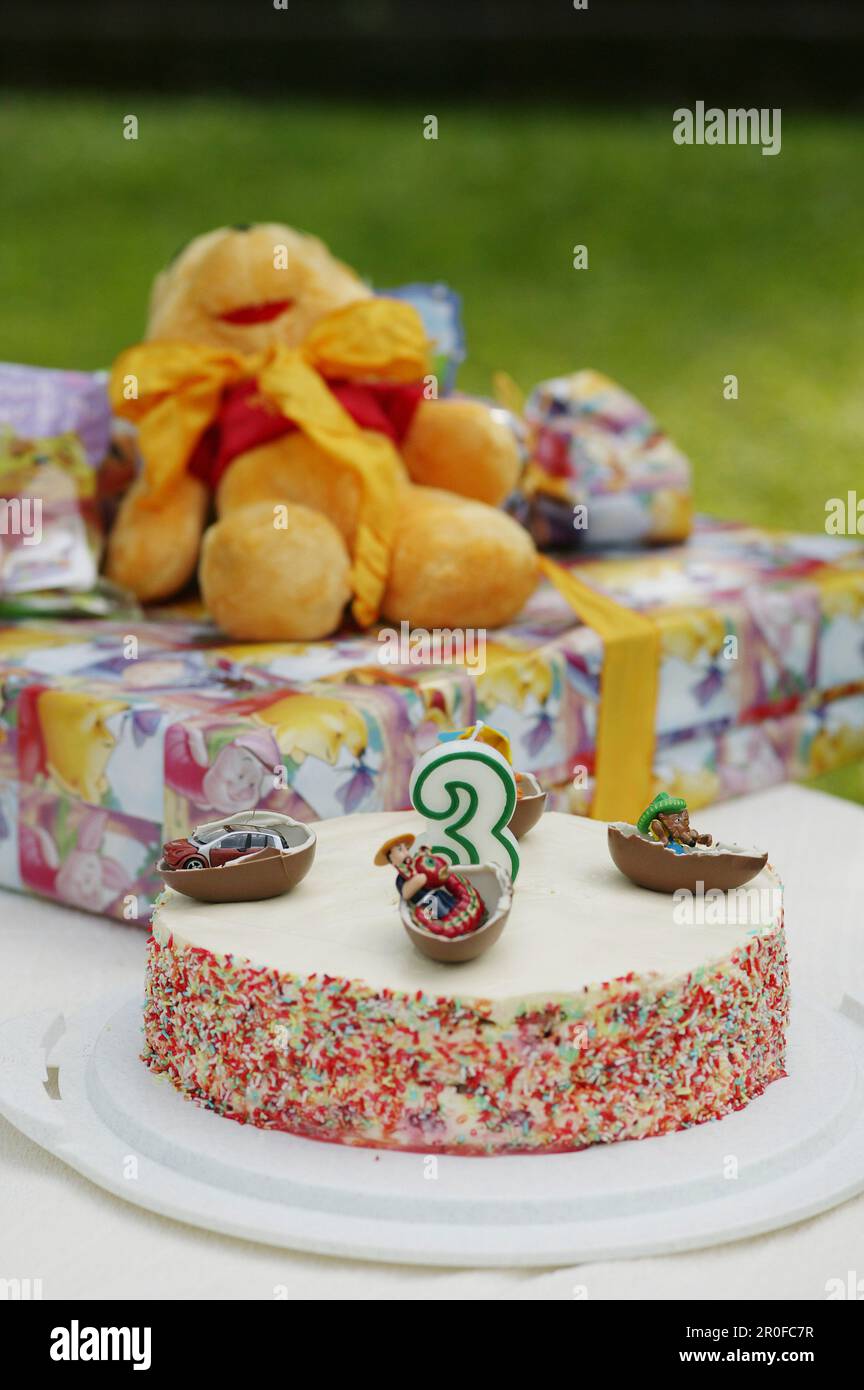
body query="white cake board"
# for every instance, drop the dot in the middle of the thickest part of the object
(798, 1150)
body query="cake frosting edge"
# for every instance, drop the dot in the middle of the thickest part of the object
(334, 1059)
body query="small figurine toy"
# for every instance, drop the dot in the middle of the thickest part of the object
(668, 820)
(642, 852)
(440, 899)
(450, 914)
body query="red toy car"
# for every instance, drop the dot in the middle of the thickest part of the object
(231, 844)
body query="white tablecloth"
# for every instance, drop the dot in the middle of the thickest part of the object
(82, 1242)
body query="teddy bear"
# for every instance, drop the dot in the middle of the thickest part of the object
(276, 391)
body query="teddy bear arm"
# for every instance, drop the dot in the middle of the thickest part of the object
(457, 563)
(153, 551)
(463, 447)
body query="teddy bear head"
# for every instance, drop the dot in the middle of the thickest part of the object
(248, 288)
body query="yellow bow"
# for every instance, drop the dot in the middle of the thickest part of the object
(173, 391)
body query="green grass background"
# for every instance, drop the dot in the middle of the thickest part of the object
(703, 261)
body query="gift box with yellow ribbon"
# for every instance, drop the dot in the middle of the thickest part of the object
(710, 669)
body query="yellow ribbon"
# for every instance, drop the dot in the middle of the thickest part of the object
(624, 782)
(173, 391)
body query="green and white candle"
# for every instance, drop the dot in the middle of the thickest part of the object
(466, 791)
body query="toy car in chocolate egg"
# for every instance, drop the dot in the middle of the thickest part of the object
(196, 853)
(243, 858)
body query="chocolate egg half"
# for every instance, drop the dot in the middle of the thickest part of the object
(496, 890)
(264, 874)
(649, 864)
(529, 808)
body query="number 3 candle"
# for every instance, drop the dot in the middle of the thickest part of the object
(467, 791)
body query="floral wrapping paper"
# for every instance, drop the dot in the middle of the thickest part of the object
(115, 737)
(600, 469)
(55, 539)
(45, 401)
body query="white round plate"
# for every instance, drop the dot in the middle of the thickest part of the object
(795, 1151)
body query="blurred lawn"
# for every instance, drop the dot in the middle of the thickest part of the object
(704, 261)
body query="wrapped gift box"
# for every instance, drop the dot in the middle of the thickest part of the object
(49, 532)
(600, 469)
(54, 434)
(43, 401)
(115, 738)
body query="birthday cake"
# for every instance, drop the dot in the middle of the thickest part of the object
(603, 1013)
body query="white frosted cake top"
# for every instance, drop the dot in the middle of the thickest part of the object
(576, 921)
